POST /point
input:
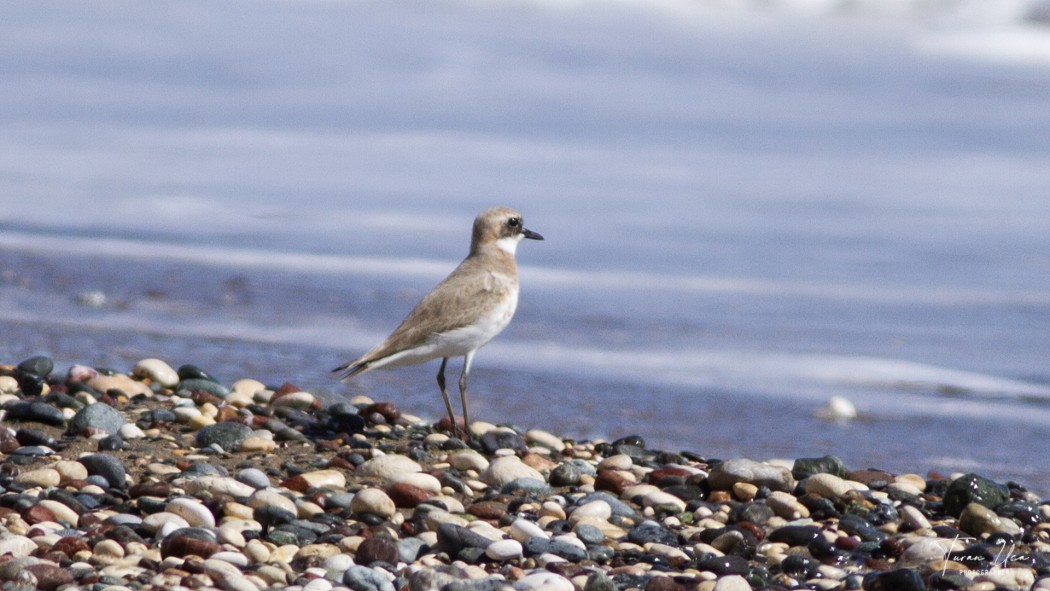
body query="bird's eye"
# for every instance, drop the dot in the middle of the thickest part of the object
(514, 222)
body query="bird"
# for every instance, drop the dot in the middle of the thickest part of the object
(462, 313)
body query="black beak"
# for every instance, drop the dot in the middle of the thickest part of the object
(530, 234)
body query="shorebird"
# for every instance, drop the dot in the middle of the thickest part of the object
(465, 311)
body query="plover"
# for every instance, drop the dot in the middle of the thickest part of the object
(465, 311)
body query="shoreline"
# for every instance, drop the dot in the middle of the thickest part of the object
(147, 482)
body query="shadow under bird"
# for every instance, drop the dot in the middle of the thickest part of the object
(463, 312)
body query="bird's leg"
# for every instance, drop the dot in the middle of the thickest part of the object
(444, 395)
(463, 390)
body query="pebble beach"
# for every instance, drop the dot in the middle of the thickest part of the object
(150, 477)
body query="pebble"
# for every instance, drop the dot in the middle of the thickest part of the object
(724, 475)
(361, 495)
(827, 486)
(42, 478)
(157, 371)
(387, 467)
(107, 467)
(227, 436)
(97, 417)
(506, 469)
(732, 583)
(504, 550)
(374, 501)
(254, 478)
(192, 510)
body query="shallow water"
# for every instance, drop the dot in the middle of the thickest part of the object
(745, 215)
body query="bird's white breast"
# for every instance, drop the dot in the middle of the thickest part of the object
(490, 322)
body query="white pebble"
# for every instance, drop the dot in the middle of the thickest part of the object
(215, 485)
(732, 583)
(193, 511)
(324, 479)
(523, 529)
(269, 496)
(828, 486)
(545, 580)
(420, 480)
(300, 400)
(504, 550)
(544, 439)
(616, 462)
(130, 431)
(387, 467)
(157, 371)
(372, 500)
(597, 509)
(914, 517)
(155, 522)
(469, 460)
(508, 469)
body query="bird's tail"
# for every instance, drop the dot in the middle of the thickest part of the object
(351, 369)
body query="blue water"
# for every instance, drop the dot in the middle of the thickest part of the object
(747, 211)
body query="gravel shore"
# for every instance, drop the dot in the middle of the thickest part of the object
(165, 479)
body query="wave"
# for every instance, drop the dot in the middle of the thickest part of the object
(245, 259)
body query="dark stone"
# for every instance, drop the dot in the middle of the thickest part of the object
(799, 566)
(272, 516)
(228, 435)
(192, 372)
(211, 387)
(1027, 514)
(454, 538)
(30, 384)
(35, 411)
(343, 418)
(663, 584)
(971, 488)
(894, 580)
(650, 531)
(600, 554)
(806, 467)
(819, 507)
(566, 474)
(98, 416)
(632, 440)
(157, 415)
(111, 443)
(35, 437)
(49, 576)
(753, 512)
(496, 440)
(947, 580)
(599, 581)
(377, 550)
(107, 467)
(589, 534)
(881, 514)
(537, 545)
(687, 492)
(39, 365)
(857, 526)
(794, 534)
(189, 541)
(724, 565)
